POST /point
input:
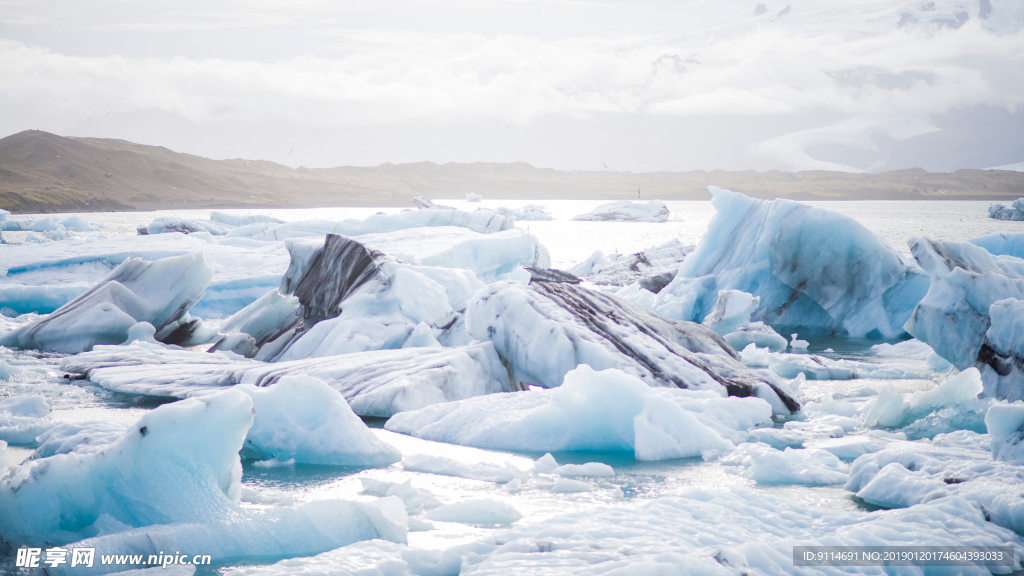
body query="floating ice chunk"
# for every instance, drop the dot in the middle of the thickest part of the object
(896, 487)
(158, 292)
(472, 197)
(777, 437)
(480, 512)
(304, 420)
(952, 404)
(759, 334)
(731, 312)
(590, 470)
(70, 223)
(353, 298)
(766, 465)
(546, 464)
(570, 486)
(1014, 211)
(414, 499)
(626, 211)
(179, 463)
(275, 463)
(608, 411)
(22, 418)
(378, 383)
(239, 220)
(546, 329)
(652, 268)
(166, 224)
(481, 221)
(815, 270)
(529, 212)
(448, 467)
(1005, 424)
(262, 319)
(797, 344)
(143, 331)
(913, 349)
(304, 530)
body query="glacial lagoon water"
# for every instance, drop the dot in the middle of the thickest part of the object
(635, 484)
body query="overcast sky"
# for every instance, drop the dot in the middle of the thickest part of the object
(571, 84)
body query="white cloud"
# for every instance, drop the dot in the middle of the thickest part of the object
(853, 62)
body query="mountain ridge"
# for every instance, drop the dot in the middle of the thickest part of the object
(42, 172)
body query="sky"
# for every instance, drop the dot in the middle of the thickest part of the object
(642, 85)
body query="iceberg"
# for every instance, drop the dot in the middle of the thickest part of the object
(167, 224)
(41, 278)
(626, 211)
(376, 383)
(172, 482)
(304, 420)
(652, 268)
(159, 292)
(603, 411)
(179, 463)
(815, 270)
(731, 312)
(545, 329)
(1015, 211)
(353, 298)
(529, 212)
(481, 221)
(972, 313)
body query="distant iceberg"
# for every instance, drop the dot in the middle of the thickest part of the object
(626, 211)
(1014, 211)
(816, 271)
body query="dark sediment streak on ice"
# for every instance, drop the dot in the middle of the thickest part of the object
(336, 270)
(601, 313)
(545, 329)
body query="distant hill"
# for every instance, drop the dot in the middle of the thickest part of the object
(42, 172)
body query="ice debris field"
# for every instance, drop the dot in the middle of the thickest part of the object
(472, 389)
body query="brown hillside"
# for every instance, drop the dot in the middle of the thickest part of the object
(42, 172)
